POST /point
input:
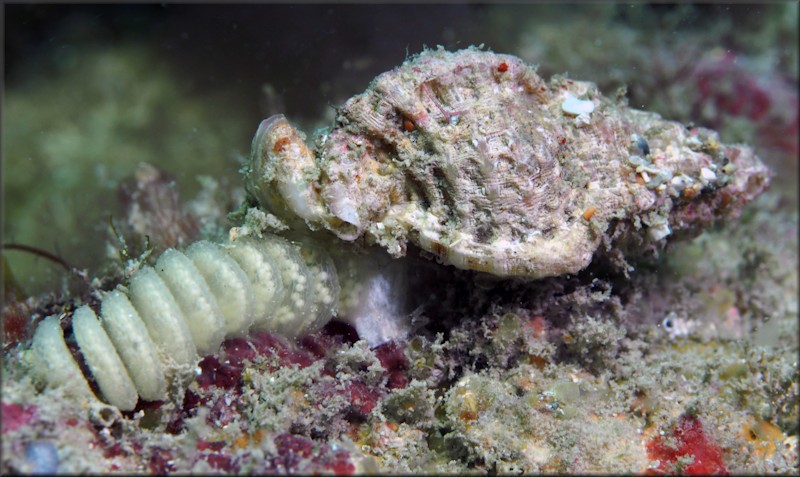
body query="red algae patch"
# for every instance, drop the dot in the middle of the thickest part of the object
(687, 450)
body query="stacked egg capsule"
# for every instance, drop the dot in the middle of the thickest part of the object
(152, 334)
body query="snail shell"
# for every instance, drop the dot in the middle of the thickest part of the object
(472, 156)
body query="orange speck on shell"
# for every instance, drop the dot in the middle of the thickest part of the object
(280, 144)
(690, 193)
(589, 213)
(537, 326)
(439, 249)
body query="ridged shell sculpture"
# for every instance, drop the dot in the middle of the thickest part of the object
(469, 155)
(473, 157)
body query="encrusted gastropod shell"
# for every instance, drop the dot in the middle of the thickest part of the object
(472, 156)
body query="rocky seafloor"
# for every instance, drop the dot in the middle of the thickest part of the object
(686, 365)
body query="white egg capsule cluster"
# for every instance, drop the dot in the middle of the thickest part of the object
(152, 334)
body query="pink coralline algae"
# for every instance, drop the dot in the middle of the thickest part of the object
(687, 449)
(16, 415)
(393, 358)
(728, 89)
(220, 383)
(217, 400)
(300, 454)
